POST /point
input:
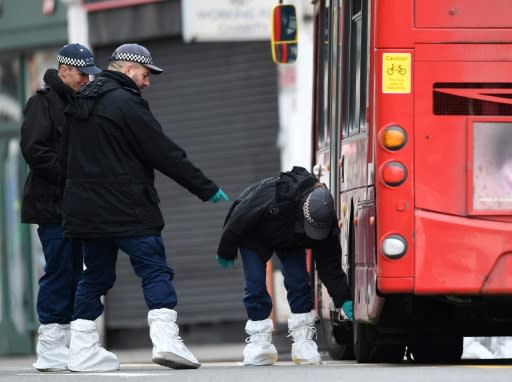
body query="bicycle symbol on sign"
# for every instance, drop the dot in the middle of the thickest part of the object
(396, 69)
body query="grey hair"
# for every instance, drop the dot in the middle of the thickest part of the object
(117, 65)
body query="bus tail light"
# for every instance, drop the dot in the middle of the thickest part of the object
(393, 173)
(394, 246)
(393, 138)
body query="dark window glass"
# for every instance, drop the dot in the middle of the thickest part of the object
(10, 106)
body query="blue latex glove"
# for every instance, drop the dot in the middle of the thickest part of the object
(347, 310)
(219, 195)
(225, 263)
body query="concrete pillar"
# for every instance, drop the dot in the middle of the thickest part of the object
(78, 27)
(295, 84)
(295, 97)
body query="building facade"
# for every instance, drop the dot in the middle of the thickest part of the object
(30, 35)
(217, 99)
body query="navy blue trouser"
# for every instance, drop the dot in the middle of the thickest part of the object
(257, 301)
(62, 271)
(147, 256)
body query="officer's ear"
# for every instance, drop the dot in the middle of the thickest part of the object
(128, 69)
(63, 69)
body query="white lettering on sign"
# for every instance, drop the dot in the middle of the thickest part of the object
(226, 20)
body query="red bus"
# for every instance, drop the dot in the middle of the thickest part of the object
(412, 123)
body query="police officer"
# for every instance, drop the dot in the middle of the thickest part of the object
(110, 202)
(285, 215)
(40, 145)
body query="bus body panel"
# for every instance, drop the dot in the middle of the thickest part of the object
(365, 260)
(415, 64)
(461, 14)
(403, 24)
(457, 255)
(395, 208)
(354, 154)
(439, 154)
(441, 149)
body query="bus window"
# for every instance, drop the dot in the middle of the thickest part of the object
(354, 75)
(364, 66)
(334, 67)
(343, 49)
(323, 126)
(492, 166)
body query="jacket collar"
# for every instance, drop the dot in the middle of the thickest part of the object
(122, 79)
(52, 79)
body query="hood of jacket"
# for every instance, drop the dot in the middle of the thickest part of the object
(85, 99)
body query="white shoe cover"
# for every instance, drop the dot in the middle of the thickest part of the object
(301, 327)
(52, 347)
(85, 352)
(259, 350)
(168, 347)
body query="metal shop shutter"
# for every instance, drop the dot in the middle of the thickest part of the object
(219, 102)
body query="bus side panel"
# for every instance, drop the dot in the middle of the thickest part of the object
(368, 304)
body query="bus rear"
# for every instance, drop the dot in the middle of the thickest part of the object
(442, 112)
(412, 130)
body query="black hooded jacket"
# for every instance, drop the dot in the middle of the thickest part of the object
(40, 144)
(268, 215)
(114, 145)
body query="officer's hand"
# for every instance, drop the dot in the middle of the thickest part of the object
(225, 263)
(347, 310)
(219, 195)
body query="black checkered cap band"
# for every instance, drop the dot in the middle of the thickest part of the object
(78, 62)
(121, 56)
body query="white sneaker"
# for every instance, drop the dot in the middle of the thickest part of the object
(168, 347)
(259, 350)
(52, 347)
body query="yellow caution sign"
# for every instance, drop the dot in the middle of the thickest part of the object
(396, 73)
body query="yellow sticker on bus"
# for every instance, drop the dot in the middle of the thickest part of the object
(396, 73)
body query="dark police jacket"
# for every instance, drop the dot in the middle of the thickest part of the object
(40, 145)
(114, 145)
(268, 215)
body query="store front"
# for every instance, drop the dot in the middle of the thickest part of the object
(29, 40)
